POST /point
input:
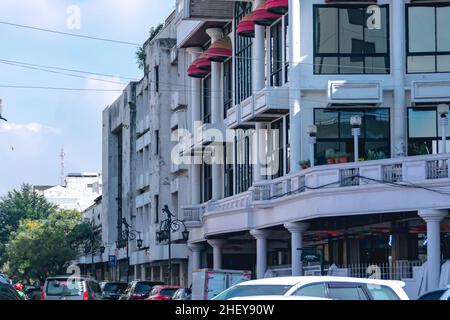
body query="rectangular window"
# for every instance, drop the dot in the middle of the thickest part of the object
(424, 132)
(276, 54)
(229, 170)
(243, 53)
(428, 38)
(277, 148)
(350, 39)
(244, 160)
(207, 99)
(207, 182)
(156, 208)
(227, 86)
(156, 141)
(334, 133)
(157, 78)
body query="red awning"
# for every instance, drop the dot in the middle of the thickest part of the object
(203, 62)
(220, 50)
(246, 27)
(278, 6)
(262, 17)
(194, 72)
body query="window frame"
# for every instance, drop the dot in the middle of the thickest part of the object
(282, 39)
(436, 53)
(338, 55)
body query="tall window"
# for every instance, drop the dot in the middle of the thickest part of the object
(207, 99)
(229, 170)
(207, 182)
(157, 78)
(243, 54)
(227, 86)
(278, 53)
(278, 146)
(243, 159)
(424, 132)
(334, 133)
(156, 209)
(347, 40)
(428, 38)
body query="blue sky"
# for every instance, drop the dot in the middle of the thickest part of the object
(41, 122)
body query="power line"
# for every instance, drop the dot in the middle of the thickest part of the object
(68, 34)
(59, 88)
(67, 69)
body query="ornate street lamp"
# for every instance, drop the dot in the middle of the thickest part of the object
(129, 234)
(167, 227)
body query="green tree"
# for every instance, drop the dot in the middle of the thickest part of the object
(20, 205)
(141, 55)
(43, 248)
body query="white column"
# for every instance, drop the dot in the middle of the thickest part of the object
(399, 70)
(261, 251)
(433, 218)
(143, 275)
(195, 109)
(217, 245)
(295, 84)
(297, 231)
(258, 83)
(217, 117)
(196, 250)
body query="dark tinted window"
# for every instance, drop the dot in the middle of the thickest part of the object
(346, 292)
(115, 287)
(435, 295)
(168, 292)
(143, 287)
(314, 290)
(8, 293)
(95, 287)
(253, 290)
(64, 287)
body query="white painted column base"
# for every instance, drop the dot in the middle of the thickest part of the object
(261, 251)
(297, 231)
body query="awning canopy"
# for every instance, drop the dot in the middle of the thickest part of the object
(195, 72)
(220, 50)
(203, 62)
(246, 27)
(262, 17)
(278, 6)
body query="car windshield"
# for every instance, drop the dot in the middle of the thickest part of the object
(114, 287)
(143, 288)
(253, 290)
(168, 292)
(64, 287)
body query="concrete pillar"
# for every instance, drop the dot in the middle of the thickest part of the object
(398, 71)
(297, 231)
(216, 118)
(196, 118)
(295, 85)
(261, 251)
(433, 218)
(217, 245)
(196, 251)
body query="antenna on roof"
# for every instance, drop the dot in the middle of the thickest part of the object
(62, 166)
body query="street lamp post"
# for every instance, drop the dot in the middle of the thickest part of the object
(129, 234)
(312, 133)
(356, 122)
(443, 110)
(167, 226)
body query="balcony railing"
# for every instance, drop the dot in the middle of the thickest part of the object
(399, 171)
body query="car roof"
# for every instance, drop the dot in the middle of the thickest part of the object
(84, 278)
(271, 298)
(291, 281)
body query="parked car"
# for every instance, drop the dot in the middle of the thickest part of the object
(5, 278)
(71, 288)
(32, 293)
(113, 290)
(276, 298)
(139, 290)
(335, 288)
(7, 291)
(441, 294)
(182, 294)
(163, 292)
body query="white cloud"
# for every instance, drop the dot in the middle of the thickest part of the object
(24, 129)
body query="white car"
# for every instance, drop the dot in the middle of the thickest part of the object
(276, 298)
(335, 288)
(442, 294)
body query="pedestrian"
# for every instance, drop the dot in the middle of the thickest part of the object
(19, 288)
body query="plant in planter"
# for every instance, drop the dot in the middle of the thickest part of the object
(374, 155)
(330, 155)
(341, 157)
(305, 164)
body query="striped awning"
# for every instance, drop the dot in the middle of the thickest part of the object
(278, 6)
(220, 50)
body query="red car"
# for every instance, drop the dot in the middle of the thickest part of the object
(162, 292)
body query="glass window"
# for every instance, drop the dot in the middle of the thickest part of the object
(276, 57)
(346, 292)
(382, 293)
(428, 38)
(207, 100)
(334, 133)
(315, 290)
(253, 290)
(227, 86)
(346, 43)
(64, 287)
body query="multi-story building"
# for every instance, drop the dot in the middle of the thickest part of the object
(78, 192)
(330, 82)
(140, 178)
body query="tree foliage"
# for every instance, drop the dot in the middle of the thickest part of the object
(43, 248)
(141, 55)
(20, 205)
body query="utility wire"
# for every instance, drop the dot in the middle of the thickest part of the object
(68, 34)
(60, 88)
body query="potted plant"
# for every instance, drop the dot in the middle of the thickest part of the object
(330, 155)
(341, 157)
(374, 155)
(305, 164)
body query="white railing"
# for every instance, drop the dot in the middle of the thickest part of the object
(239, 201)
(437, 169)
(194, 213)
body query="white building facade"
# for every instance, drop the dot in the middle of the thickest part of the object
(302, 76)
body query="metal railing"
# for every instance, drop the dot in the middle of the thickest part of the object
(437, 169)
(393, 173)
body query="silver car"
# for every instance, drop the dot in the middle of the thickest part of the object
(71, 288)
